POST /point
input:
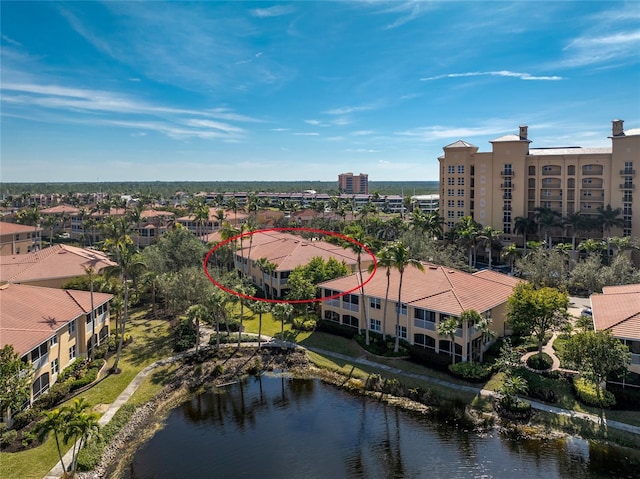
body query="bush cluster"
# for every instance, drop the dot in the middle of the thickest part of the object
(332, 327)
(430, 358)
(470, 371)
(536, 362)
(26, 417)
(586, 392)
(185, 335)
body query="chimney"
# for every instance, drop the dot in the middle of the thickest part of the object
(523, 132)
(617, 128)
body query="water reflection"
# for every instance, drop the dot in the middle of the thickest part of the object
(275, 427)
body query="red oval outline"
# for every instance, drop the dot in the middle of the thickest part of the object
(293, 301)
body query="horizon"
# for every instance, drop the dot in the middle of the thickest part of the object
(95, 92)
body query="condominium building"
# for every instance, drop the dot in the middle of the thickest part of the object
(19, 239)
(353, 184)
(513, 179)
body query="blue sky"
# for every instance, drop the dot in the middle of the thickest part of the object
(303, 90)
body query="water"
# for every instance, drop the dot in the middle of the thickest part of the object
(279, 427)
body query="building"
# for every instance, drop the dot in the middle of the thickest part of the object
(353, 184)
(617, 309)
(50, 328)
(428, 298)
(19, 239)
(513, 179)
(427, 203)
(286, 251)
(52, 266)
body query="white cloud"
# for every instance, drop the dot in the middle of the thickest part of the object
(347, 109)
(11, 41)
(592, 49)
(307, 134)
(362, 132)
(312, 122)
(275, 11)
(500, 73)
(361, 150)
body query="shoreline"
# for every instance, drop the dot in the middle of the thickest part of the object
(192, 377)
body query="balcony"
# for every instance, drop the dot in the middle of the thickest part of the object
(506, 185)
(506, 173)
(507, 196)
(421, 323)
(40, 362)
(333, 302)
(350, 306)
(635, 359)
(551, 198)
(598, 199)
(627, 186)
(627, 172)
(507, 208)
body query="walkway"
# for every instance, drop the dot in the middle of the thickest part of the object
(56, 472)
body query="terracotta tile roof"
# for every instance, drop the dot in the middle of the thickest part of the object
(155, 213)
(60, 209)
(31, 314)
(618, 310)
(57, 261)
(288, 250)
(438, 288)
(12, 228)
(498, 277)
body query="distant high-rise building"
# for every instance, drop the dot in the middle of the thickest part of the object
(514, 181)
(353, 184)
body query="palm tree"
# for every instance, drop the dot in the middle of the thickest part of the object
(31, 216)
(357, 246)
(488, 234)
(80, 425)
(128, 263)
(400, 260)
(448, 327)
(90, 271)
(54, 421)
(510, 253)
(524, 226)
(576, 222)
(195, 314)
(466, 232)
(385, 260)
(433, 224)
(201, 217)
(609, 218)
(283, 312)
(546, 219)
(591, 246)
(267, 267)
(260, 307)
(49, 221)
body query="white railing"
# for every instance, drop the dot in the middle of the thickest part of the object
(333, 302)
(350, 306)
(635, 358)
(424, 324)
(41, 361)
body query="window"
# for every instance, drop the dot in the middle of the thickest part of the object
(451, 192)
(460, 181)
(460, 192)
(451, 203)
(547, 168)
(460, 203)
(401, 331)
(375, 325)
(460, 169)
(571, 170)
(424, 341)
(451, 169)
(72, 352)
(72, 327)
(403, 309)
(351, 302)
(332, 316)
(40, 385)
(532, 170)
(375, 303)
(460, 214)
(53, 341)
(451, 181)
(54, 366)
(350, 320)
(38, 352)
(450, 214)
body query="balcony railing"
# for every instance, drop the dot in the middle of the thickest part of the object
(506, 185)
(635, 358)
(627, 172)
(41, 361)
(506, 173)
(333, 302)
(350, 306)
(592, 186)
(627, 186)
(551, 197)
(421, 323)
(459, 332)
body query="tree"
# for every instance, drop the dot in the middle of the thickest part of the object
(283, 312)
(385, 260)
(30, 216)
(260, 307)
(195, 314)
(543, 267)
(54, 421)
(268, 268)
(357, 246)
(576, 222)
(174, 251)
(596, 355)
(535, 312)
(128, 262)
(489, 235)
(465, 232)
(471, 317)
(15, 380)
(524, 226)
(512, 386)
(448, 328)
(400, 260)
(90, 272)
(546, 219)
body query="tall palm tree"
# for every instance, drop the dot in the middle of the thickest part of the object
(31, 217)
(54, 421)
(448, 328)
(609, 218)
(90, 272)
(433, 224)
(524, 226)
(283, 312)
(357, 246)
(128, 263)
(267, 267)
(466, 233)
(195, 314)
(546, 219)
(385, 260)
(576, 222)
(489, 235)
(80, 425)
(400, 260)
(510, 253)
(260, 307)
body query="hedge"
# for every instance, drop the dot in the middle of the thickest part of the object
(430, 358)
(332, 327)
(470, 371)
(586, 392)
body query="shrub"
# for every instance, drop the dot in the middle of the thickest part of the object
(429, 358)
(586, 392)
(101, 351)
(8, 437)
(540, 363)
(88, 378)
(185, 335)
(301, 324)
(55, 395)
(27, 438)
(26, 417)
(470, 371)
(332, 327)
(544, 393)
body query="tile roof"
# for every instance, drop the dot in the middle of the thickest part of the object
(498, 277)
(446, 290)
(12, 228)
(461, 144)
(155, 213)
(618, 310)
(60, 209)
(57, 261)
(31, 314)
(288, 250)
(507, 138)
(568, 151)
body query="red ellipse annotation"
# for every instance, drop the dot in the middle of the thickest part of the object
(296, 301)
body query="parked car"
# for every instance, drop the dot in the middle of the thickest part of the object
(587, 312)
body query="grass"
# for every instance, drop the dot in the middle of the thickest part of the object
(151, 341)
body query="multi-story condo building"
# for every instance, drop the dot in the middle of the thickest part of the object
(353, 184)
(50, 328)
(513, 179)
(19, 239)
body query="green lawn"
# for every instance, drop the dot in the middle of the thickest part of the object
(151, 341)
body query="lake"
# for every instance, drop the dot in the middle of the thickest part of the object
(280, 427)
